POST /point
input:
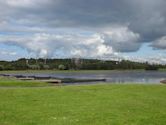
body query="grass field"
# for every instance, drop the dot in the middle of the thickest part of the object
(13, 82)
(84, 105)
(62, 71)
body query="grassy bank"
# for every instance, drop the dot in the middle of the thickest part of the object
(61, 71)
(13, 82)
(84, 105)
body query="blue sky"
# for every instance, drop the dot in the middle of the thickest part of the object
(107, 29)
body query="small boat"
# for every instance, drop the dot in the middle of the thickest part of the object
(163, 81)
(70, 80)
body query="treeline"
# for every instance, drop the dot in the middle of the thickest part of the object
(75, 64)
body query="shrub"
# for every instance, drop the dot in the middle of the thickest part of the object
(1, 67)
(61, 67)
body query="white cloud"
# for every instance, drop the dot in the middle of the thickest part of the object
(152, 59)
(109, 26)
(22, 3)
(93, 45)
(46, 45)
(160, 43)
(8, 53)
(26, 3)
(122, 39)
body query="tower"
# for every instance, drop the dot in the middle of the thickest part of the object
(27, 62)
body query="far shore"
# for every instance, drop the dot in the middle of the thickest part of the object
(68, 71)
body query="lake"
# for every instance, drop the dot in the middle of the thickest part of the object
(149, 77)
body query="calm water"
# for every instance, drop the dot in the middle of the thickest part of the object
(113, 76)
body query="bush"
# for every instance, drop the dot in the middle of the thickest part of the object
(1, 67)
(61, 67)
(151, 67)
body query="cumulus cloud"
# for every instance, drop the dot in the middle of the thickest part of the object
(83, 27)
(46, 45)
(122, 39)
(160, 43)
(8, 53)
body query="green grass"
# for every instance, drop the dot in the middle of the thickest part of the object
(84, 105)
(162, 69)
(61, 71)
(13, 82)
(22, 84)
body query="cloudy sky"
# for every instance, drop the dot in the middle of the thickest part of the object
(108, 29)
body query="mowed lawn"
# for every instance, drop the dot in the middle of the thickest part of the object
(84, 105)
(13, 82)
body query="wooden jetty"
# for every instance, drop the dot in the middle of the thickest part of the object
(52, 81)
(49, 79)
(26, 78)
(163, 81)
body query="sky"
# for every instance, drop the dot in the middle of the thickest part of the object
(100, 29)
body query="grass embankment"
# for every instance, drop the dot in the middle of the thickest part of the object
(62, 71)
(84, 105)
(13, 82)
